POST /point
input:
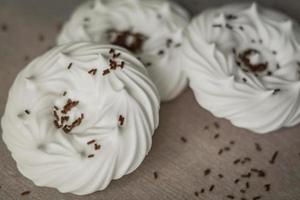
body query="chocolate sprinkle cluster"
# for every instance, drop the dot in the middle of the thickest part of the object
(61, 121)
(244, 57)
(95, 145)
(113, 63)
(130, 40)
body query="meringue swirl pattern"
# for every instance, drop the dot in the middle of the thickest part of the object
(151, 29)
(243, 64)
(80, 116)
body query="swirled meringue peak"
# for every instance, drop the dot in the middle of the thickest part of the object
(151, 29)
(243, 64)
(80, 116)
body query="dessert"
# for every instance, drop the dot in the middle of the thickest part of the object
(242, 62)
(151, 29)
(80, 116)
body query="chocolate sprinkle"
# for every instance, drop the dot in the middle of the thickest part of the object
(211, 188)
(227, 148)
(276, 91)
(122, 40)
(217, 125)
(248, 175)
(202, 191)
(247, 185)
(230, 196)
(111, 51)
(269, 73)
(161, 52)
(26, 58)
(27, 112)
(236, 181)
(273, 159)
(207, 172)
(169, 42)
(236, 161)
(91, 142)
(216, 136)
(121, 120)
(97, 146)
(93, 71)
(196, 194)
(228, 26)
(231, 17)
(183, 139)
(4, 27)
(69, 106)
(41, 37)
(258, 147)
(220, 151)
(70, 65)
(91, 156)
(244, 57)
(267, 187)
(105, 72)
(155, 174)
(220, 175)
(217, 25)
(260, 173)
(25, 193)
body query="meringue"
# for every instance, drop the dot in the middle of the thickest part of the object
(242, 62)
(80, 116)
(151, 29)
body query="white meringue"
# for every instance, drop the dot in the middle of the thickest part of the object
(114, 112)
(151, 29)
(243, 65)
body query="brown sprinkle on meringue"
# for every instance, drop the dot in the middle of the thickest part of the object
(93, 71)
(121, 120)
(105, 72)
(70, 65)
(91, 142)
(97, 146)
